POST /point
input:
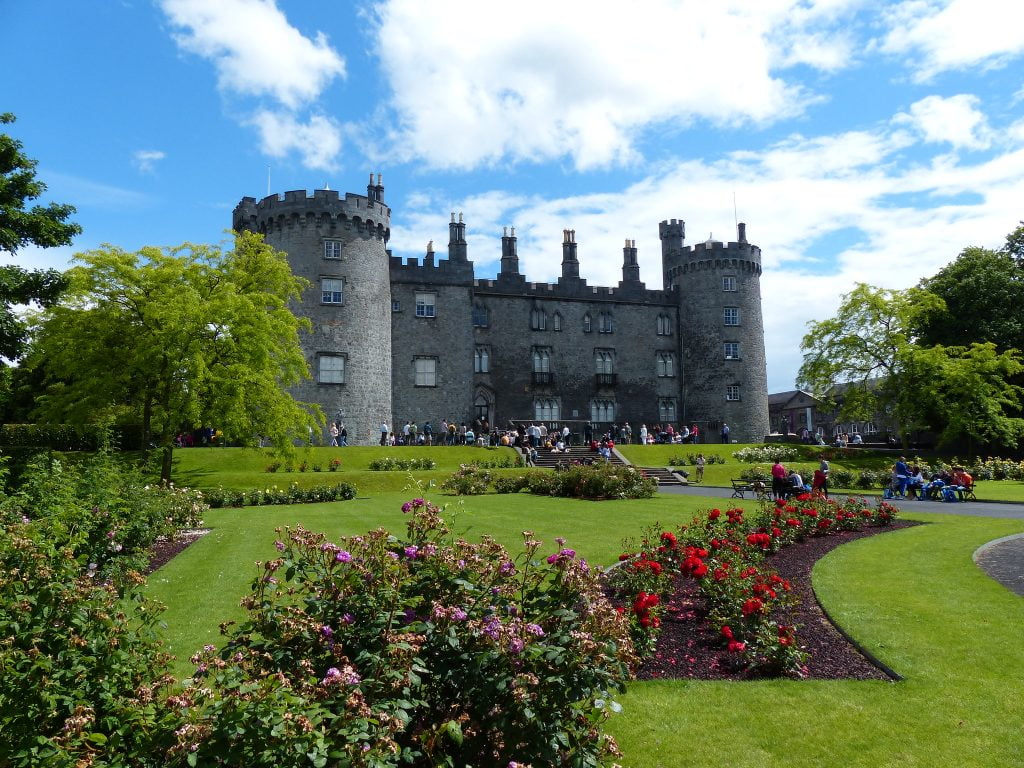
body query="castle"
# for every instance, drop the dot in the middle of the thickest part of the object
(424, 339)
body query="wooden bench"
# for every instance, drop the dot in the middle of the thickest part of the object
(740, 488)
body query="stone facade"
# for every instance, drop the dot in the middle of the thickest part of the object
(424, 339)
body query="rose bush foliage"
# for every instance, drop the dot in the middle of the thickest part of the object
(423, 650)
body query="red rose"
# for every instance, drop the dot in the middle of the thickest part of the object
(735, 646)
(753, 605)
(727, 632)
(714, 514)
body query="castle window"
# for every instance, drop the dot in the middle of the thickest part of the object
(666, 364)
(425, 304)
(732, 393)
(541, 360)
(396, 305)
(481, 360)
(331, 290)
(538, 320)
(732, 350)
(546, 410)
(731, 315)
(481, 318)
(664, 325)
(728, 283)
(604, 361)
(666, 409)
(602, 411)
(330, 369)
(556, 322)
(587, 327)
(332, 249)
(426, 371)
(605, 323)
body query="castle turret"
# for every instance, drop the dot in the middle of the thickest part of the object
(338, 244)
(509, 255)
(718, 289)
(630, 265)
(570, 264)
(457, 249)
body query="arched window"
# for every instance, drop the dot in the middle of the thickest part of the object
(538, 320)
(604, 361)
(587, 327)
(665, 364)
(556, 322)
(481, 360)
(605, 323)
(541, 360)
(546, 409)
(602, 411)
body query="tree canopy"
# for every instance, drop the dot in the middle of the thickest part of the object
(984, 292)
(44, 226)
(869, 350)
(178, 338)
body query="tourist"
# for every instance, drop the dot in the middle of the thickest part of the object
(334, 434)
(700, 468)
(725, 432)
(779, 478)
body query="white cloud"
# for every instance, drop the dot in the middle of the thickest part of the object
(256, 51)
(955, 120)
(797, 197)
(953, 35)
(476, 83)
(146, 159)
(317, 141)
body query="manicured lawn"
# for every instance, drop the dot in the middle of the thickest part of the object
(245, 468)
(913, 597)
(856, 461)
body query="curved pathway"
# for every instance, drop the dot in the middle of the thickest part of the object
(1002, 559)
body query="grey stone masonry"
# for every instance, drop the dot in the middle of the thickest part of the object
(423, 339)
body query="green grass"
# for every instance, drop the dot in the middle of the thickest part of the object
(913, 597)
(246, 468)
(916, 600)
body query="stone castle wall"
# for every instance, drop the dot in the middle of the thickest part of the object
(380, 335)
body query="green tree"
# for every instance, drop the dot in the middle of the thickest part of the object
(868, 346)
(44, 226)
(983, 291)
(178, 338)
(969, 394)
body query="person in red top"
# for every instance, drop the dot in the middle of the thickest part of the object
(963, 480)
(779, 476)
(819, 483)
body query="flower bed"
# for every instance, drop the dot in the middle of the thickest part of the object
(293, 494)
(725, 557)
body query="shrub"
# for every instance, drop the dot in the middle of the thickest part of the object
(334, 464)
(293, 494)
(103, 510)
(841, 478)
(379, 651)
(766, 454)
(725, 554)
(81, 670)
(273, 466)
(691, 458)
(391, 464)
(468, 481)
(512, 483)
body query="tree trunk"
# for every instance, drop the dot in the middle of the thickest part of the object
(165, 465)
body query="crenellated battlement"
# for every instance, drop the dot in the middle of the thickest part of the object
(324, 209)
(573, 291)
(444, 272)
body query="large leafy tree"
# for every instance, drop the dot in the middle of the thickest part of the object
(45, 226)
(984, 292)
(969, 395)
(178, 338)
(868, 347)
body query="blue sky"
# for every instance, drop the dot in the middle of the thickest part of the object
(860, 141)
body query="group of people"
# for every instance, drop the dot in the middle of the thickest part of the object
(908, 481)
(450, 433)
(786, 483)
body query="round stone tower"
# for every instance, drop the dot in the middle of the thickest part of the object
(338, 244)
(721, 333)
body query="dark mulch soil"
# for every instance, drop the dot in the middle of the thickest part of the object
(163, 551)
(689, 649)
